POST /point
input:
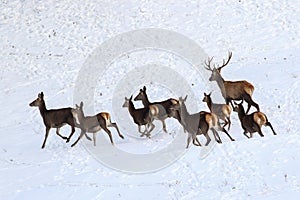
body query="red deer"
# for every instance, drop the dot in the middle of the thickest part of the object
(253, 122)
(232, 90)
(93, 124)
(199, 123)
(55, 118)
(223, 111)
(141, 116)
(163, 106)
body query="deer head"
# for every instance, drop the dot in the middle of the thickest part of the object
(207, 97)
(38, 101)
(141, 95)
(78, 111)
(239, 107)
(216, 72)
(126, 103)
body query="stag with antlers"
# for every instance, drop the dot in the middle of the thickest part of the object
(231, 90)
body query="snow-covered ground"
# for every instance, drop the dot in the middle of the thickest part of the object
(44, 44)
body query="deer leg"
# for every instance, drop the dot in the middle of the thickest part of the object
(87, 137)
(72, 132)
(196, 140)
(223, 130)
(94, 137)
(245, 133)
(260, 132)
(152, 127)
(80, 136)
(46, 136)
(229, 101)
(103, 124)
(145, 131)
(189, 140)
(109, 134)
(250, 102)
(207, 139)
(270, 125)
(164, 125)
(57, 132)
(116, 127)
(229, 122)
(140, 130)
(216, 135)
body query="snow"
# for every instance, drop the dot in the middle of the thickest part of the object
(45, 44)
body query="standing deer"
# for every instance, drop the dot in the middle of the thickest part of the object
(253, 122)
(222, 111)
(93, 124)
(141, 116)
(163, 107)
(55, 118)
(231, 90)
(199, 123)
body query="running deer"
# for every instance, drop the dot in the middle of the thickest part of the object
(163, 107)
(55, 118)
(199, 123)
(93, 124)
(222, 111)
(231, 90)
(253, 122)
(141, 116)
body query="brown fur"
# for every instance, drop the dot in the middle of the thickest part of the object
(162, 108)
(198, 123)
(222, 111)
(253, 122)
(55, 118)
(232, 90)
(93, 124)
(141, 116)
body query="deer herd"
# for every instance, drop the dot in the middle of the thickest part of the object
(194, 124)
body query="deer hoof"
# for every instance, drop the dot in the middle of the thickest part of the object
(122, 137)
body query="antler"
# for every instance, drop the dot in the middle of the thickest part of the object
(208, 64)
(225, 63)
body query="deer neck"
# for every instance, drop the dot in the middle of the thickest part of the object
(183, 113)
(131, 108)
(81, 118)
(221, 83)
(241, 113)
(209, 103)
(145, 101)
(43, 108)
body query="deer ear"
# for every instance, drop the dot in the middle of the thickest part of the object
(185, 97)
(81, 104)
(41, 95)
(144, 88)
(130, 98)
(209, 94)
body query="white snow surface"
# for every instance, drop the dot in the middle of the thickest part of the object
(45, 43)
